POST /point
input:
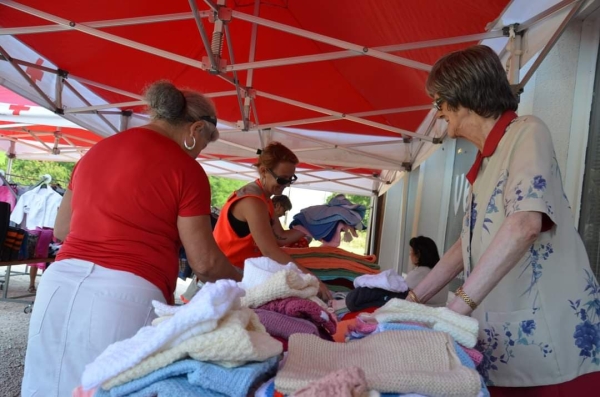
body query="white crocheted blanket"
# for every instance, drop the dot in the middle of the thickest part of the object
(238, 339)
(201, 314)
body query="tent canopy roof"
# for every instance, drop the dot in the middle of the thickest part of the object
(339, 82)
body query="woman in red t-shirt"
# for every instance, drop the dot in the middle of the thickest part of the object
(133, 200)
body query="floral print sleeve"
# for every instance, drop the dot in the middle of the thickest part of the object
(533, 174)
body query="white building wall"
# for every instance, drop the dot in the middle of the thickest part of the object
(391, 233)
(553, 94)
(550, 95)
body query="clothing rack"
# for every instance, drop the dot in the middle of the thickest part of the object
(33, 179)
(46, 179)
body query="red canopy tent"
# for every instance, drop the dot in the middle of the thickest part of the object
(340, 82)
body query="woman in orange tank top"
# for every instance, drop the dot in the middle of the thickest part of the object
(247, 226)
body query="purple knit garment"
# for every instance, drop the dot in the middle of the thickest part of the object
(283, 326)
(302, 308)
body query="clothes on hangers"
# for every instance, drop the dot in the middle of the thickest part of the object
(40, 205)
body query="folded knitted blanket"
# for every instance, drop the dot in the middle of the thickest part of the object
(200, 377)
(259, 270)
(238, 339)
(346, 382)
(331, 252)
(462, 328)
(282, 326)
(283, 284)
(464, 354)
(177, 386)
(303, 308)
(202, 313)
(420, 362)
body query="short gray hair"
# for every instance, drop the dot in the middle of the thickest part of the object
(474, 79)
(167, 102)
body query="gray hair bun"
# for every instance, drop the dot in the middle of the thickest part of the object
(166, 101)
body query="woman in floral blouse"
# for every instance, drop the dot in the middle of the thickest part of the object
(528, 278)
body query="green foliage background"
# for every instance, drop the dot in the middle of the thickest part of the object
(221, 189)
(28, 172)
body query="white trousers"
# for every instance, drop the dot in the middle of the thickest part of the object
(80, 308)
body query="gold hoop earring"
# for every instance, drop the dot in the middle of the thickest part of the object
(189, 147)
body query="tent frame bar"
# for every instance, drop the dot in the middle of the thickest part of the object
(102, 24)
(546, 50)
(545, 14)
(361, 50)
(32, 83)
(324, 119)
(330, 56)
(103, 35)
(340, 115)
(84, 100)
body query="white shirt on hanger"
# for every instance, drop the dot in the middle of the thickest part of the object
(41, 207)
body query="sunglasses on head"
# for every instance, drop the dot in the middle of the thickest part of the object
(283, 181)
(437, 104)
(210, 119)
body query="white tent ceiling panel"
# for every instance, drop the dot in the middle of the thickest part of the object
(21, 83)
(222, 148)
(342, 158)
(331, 174)
(32, 115)
(333, 138)
(346, 187)
(36, 151)
(249, 139)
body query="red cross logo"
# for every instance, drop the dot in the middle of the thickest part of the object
(17, 109)
(34, 73)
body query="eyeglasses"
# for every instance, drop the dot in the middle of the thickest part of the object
(437, 104)
(283, 181)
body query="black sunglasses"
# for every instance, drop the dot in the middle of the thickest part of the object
(210, 119)
(283, 181)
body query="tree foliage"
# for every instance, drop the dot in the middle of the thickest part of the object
(221, 189)
(28, 172)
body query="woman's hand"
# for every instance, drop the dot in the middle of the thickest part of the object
(324, 294)
(445, 271)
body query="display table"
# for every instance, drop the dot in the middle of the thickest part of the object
(4, 284)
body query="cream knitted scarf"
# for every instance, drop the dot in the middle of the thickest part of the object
(283, 284)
